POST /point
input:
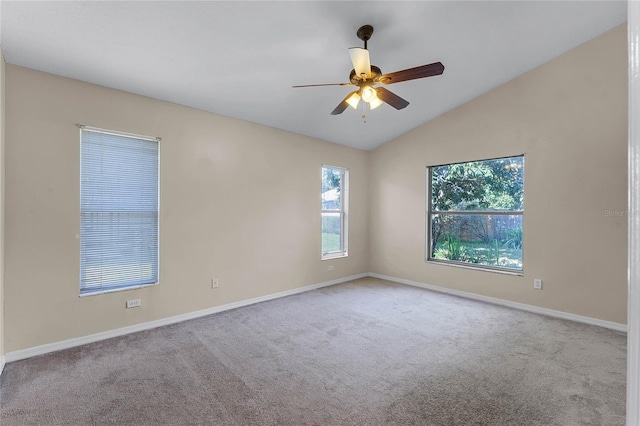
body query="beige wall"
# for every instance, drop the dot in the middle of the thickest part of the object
(569, 118)
(239, 201)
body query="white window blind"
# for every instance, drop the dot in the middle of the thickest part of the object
(118, 211)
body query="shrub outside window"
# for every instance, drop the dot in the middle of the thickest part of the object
(335, 202)
(474, 213)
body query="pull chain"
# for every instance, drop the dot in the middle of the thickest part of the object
(364, 117)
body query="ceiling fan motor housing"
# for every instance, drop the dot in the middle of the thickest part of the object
(357, 80)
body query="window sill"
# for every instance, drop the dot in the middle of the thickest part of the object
(95, 293)
(484, 268)
(330, 256)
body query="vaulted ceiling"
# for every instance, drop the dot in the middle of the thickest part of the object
(240, 59)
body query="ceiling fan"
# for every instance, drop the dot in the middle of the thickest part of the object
(366, 76)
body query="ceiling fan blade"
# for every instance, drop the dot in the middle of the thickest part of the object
(391, 98)
(342, 105)
(412, 73)
(317, 85)
(361, 62)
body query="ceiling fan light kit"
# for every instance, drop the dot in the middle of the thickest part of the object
(366, 76)
(353, 100)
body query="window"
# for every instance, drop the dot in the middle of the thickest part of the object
(118, 211)
(335, 201)
(475, 213)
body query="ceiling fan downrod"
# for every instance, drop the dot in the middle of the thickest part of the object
(364, 33)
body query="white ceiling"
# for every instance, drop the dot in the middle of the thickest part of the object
(240, 59)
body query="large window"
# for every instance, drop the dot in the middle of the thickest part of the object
(335, 200)
(118, 211)
(475, 213)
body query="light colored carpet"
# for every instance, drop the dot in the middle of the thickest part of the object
(368, 352)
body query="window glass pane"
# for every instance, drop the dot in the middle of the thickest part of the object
(332, 188)
(479, 185)
(331, 232)
(483, 239)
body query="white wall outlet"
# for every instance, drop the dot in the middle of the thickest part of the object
(134, 303)
(214, 283)
(331, 267)
(537, 284)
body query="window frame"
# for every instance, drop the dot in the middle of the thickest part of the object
(344, 214)
(133, 136)
(429, 225)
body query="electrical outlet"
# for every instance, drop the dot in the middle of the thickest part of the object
(214, 283)
(134, 303)
(537, 284)
(331, 267)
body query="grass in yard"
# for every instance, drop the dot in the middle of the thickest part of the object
(483, 254)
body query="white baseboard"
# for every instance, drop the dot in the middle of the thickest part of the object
(507, 303)
(2, 362)
(78, 341)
